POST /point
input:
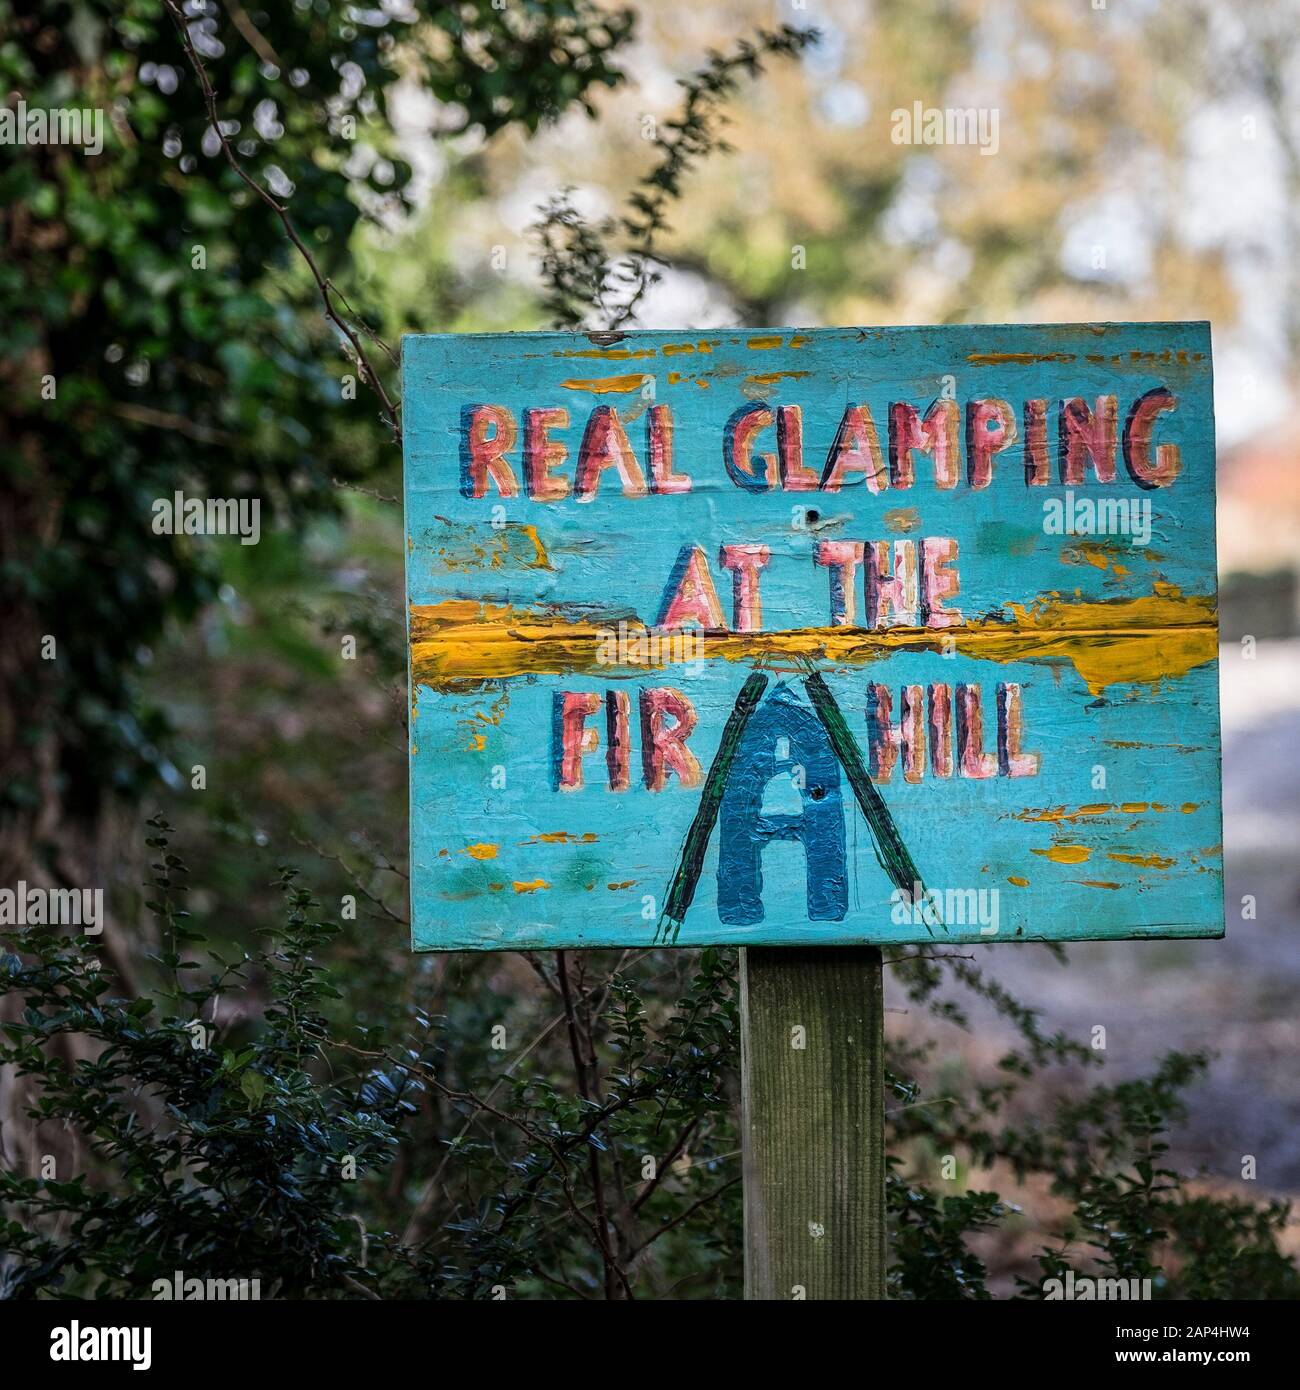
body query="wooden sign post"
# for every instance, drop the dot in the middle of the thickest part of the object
(793, 640)
(813, 1118)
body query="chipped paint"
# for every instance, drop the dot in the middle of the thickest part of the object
(1065, 854)
(760, 380)
(1062, 815)
(902, 520)
(467, 548)
(607, 385)
(562, 528)
(1016, 359)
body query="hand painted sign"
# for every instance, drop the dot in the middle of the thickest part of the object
(834, 636)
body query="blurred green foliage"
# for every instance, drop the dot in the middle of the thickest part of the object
(162, 333)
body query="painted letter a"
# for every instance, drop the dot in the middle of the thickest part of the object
(783, 740)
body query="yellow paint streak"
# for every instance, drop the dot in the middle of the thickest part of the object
(1095, 883)
(606, 385)
(1059, 814)
(1130, 743)
(532, 887)
(541, 559)
(1021, 359)
(1146, 861)
(1065, 854)
(1188, 807)
(618, 887)
(1141, 640)
(1019, 882)
(902, 519)
(560, 837)
(764, 344)
(771, 378)
(482, 851)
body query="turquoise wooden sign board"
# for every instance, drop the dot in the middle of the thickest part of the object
(828, 636)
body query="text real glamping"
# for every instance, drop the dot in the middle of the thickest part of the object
(905, 583)
(1087, 435)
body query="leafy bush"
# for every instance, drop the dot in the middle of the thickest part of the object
(289, 1145)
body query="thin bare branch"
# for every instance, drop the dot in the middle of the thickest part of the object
(391, 408)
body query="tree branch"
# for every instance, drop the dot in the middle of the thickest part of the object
(391, 408)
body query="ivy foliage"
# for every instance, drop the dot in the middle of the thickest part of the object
(162, 333)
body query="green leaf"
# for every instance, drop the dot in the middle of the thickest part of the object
(253, 1085)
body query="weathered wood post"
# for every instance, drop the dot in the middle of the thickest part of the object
(812, 1080)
